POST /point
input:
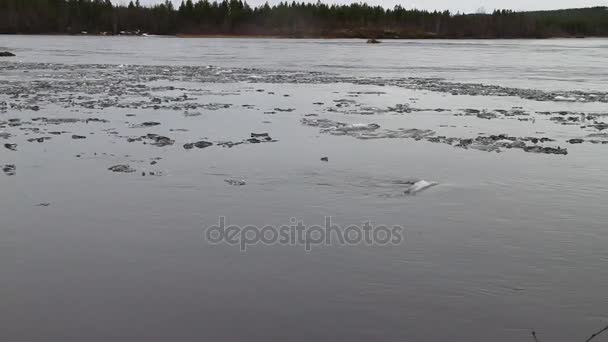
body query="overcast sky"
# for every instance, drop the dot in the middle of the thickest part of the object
(453, 5)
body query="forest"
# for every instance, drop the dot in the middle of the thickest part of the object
(295, 19)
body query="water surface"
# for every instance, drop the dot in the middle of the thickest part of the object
(506, 243)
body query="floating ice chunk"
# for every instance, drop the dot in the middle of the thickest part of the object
(358, 127)
(563, 98)
(416, 187)
(235, 182)
(122, 168)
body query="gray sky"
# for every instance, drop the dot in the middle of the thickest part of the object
(455, 5)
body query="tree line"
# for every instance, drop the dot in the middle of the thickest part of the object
(295, 19)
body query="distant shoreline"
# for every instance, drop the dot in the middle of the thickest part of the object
(261, 36)
(365, 38)
(236, 19)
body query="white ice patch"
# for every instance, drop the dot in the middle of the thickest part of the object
(359, 127)
(565, 99)
(418, 186)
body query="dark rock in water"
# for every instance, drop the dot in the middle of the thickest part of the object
(6, 54)
(154, 162)
(546, 150)
(95, 120)
(259, 135)
(78, 137)
(373, 41)
(121, 168)
(57, 121)
(43, 204)
(40, 140)
(287, 110)
(516, 144)
(357, 127)
(188, 146)
(471, 111)
(464, 142)
(537, 140)
(259, 138)
(159, 140)
(576, 141)
(4, 135)
(235, 182)
(202, 144)
(600, 126)
(12, 147)
(499, 137)
(325, 159)
(486, 115)
(150, 124)
(9, 169)
(229, 144)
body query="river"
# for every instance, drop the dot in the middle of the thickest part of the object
(511, 239)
